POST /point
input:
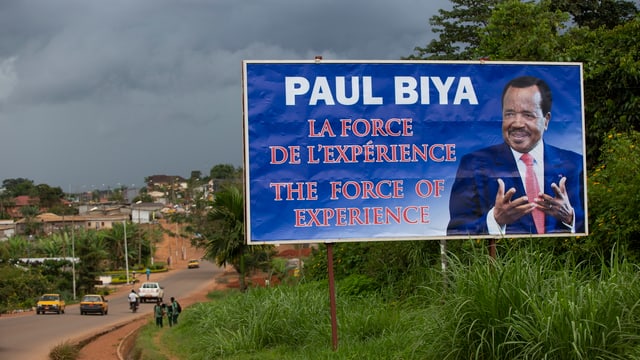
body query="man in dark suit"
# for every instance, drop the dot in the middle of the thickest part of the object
(522, 186)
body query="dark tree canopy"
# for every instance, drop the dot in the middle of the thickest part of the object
(597, 13)
(223, 171)
(458, 30)
(19, 187)
(612, 81)
(602, 34)
(49, 196)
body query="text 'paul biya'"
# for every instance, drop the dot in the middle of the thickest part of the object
(407, 90)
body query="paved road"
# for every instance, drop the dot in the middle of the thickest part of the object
(33, 336)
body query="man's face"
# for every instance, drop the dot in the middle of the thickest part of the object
(523, 122)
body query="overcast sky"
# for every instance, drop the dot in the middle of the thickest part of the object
(100, 94)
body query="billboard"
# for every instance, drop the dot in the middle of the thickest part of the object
(339, 151)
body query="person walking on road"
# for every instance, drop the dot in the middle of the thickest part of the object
(170, 314)
(176, 310)
(148, 273)
(158, 311)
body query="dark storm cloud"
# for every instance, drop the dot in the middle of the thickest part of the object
(101, 93)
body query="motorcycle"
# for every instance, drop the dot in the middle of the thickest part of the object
(133, 306)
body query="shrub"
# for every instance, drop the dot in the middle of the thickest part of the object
(357, 285)
(64, 351)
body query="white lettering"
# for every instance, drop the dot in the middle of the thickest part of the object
(321, 92)
(465, 92)
(341, 89)
(361, 88)
(352, 90)
(367, 86)
(294, 86)
(443, 89)
(406, 90)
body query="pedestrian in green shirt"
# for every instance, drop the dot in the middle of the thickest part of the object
(170, 314)
(177, 309)
(158, 311)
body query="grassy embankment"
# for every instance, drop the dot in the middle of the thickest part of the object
(523, 306)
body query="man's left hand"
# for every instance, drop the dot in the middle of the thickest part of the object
(558, 206)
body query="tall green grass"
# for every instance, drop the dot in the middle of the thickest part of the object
(528, 306)
(524, 305)
(294, 323)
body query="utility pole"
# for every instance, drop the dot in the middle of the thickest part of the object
(126, 252)
(73, 259)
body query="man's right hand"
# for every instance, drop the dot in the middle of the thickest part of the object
(507, 210)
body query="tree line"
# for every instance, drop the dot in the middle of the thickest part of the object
(601, 34)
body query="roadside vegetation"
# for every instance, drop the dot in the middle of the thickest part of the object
(100, 253)
(526, 304)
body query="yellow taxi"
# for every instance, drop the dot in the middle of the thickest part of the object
(94, 303)
(50, 303)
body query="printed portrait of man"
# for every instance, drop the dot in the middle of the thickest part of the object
(523, 185)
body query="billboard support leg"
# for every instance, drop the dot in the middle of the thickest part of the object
(443, 262)
(332, 297)
(492, 248)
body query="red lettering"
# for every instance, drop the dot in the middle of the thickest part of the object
(361, 216)
(376, 127)
(383, 189)
(326, 129)
(280, 154)
(427, 188)
(296, 191)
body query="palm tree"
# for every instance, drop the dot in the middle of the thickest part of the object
(92, 250)
(5, 203)
(29, 213)
(220, 231)
(17, 247)
(138, 246)
(114, 243)
(224, 231)
(226, 242)
(52, 246)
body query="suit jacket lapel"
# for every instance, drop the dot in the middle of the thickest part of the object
(507, 170)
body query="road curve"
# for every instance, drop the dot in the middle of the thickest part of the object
(33, 336)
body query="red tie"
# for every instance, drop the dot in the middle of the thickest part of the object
(531, 185)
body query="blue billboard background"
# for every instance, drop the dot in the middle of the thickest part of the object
(304, 216)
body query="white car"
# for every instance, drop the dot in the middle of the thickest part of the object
(151, 291)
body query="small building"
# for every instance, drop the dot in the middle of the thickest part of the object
(145, 213)
(52, 223)
(7, 229)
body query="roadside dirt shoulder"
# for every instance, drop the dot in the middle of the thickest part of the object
(105, 347)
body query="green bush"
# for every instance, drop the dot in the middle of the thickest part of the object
(357, 285)
(20, 288)
(118, 280)
(396, 266)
